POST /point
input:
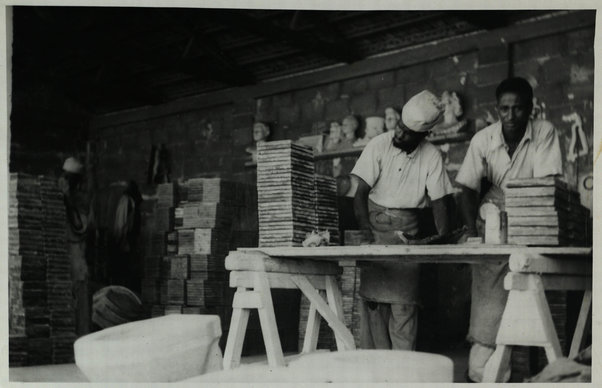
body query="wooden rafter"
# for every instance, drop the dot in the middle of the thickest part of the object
(216, 63)
(269, 31)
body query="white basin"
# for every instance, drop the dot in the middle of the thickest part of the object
(163, 349)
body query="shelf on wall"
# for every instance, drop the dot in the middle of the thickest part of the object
(356, 151)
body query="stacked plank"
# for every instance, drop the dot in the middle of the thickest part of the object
(41, 320)
(327, 211)
(189, 277)
(286, 193)
(545, 211)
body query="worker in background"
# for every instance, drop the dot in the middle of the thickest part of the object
(399, 173)
(124, 262)
(80, 218)
(513, 147)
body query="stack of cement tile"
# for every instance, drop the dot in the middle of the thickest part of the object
(41, 319)
(190, 278)
(545, 211)
(327, 212)
(285, 192)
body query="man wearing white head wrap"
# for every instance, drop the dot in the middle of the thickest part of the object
(399, 173)
(79, 219)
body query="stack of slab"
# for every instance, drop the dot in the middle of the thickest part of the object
(58, 271)
(293, 201)
(327, 213)
(41, 318)
(285, 192)
(545, 211)
(189, 277)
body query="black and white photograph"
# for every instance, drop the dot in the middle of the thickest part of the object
(293, 192)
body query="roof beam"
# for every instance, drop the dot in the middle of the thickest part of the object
(220, 66)
(340, 52)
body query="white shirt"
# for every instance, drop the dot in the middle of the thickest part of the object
(401, 180)
(537, 155)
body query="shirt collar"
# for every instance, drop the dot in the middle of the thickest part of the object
(412, 154)
(498, 136)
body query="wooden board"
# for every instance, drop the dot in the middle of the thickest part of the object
(425, 253)
(255, 261)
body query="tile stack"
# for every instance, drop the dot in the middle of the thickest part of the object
(189, 277)
(158, 225)
(350, 287)
(327, 213)
(58, 271)
(285, 192)
(545, 211)
(41, 320)
(293, 201)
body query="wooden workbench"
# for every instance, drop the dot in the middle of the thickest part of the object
(526, 320)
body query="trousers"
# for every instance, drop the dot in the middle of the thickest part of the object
(388, 326)
(389, 292)
(488, 300)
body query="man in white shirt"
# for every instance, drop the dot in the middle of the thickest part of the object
(399, 173)
(514, 147)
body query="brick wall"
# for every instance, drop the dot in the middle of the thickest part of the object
(211, 141)
(45, 128)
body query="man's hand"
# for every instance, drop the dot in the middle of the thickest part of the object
(367, 237)
(466, 235)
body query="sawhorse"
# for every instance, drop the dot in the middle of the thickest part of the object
(527, 320)
(254, 274)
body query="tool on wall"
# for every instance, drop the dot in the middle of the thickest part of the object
(576, 131)
(159, 170)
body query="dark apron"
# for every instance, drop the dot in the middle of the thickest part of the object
(390, 282)
(488, 293)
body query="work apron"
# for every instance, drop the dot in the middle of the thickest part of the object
(488, 293)
(79, 276)
(390, 282)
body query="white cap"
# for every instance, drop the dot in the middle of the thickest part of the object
(422, 112)
(73, 166)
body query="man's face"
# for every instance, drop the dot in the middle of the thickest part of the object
(406, 139)
(514, 112)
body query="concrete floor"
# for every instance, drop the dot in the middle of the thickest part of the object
(66, 373)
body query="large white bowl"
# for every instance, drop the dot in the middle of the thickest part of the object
(355, 366)
(163, 349)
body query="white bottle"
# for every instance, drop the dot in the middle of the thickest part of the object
(491, 214)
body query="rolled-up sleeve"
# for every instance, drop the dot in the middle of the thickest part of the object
(367, 166)
(547, 158)
(438, 184)
(472, 169)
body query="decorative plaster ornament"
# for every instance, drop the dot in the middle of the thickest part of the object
(374, 127)
(576, 132)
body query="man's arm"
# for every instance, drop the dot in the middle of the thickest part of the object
(360, 208)
(441, 214)
(469, 202)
